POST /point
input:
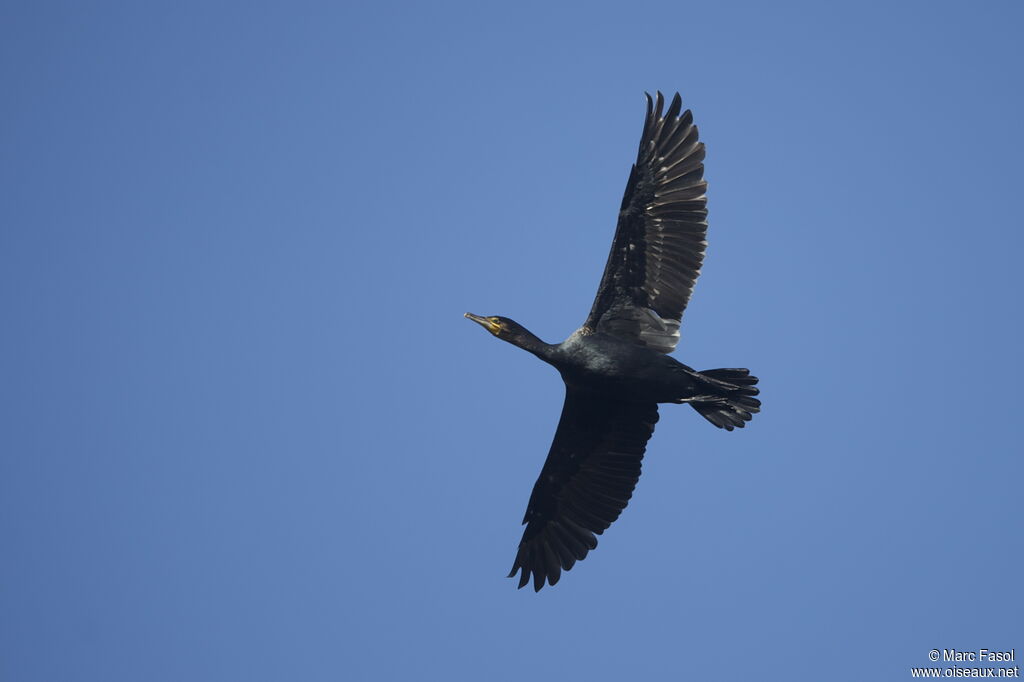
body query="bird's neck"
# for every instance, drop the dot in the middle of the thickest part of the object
(530, 343)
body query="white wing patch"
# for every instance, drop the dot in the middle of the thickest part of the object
(657, 332)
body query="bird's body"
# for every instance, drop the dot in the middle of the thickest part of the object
(615, 367)
(604, 364)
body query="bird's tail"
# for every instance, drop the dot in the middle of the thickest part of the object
(730, 402)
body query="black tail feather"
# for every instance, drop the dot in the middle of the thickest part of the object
(731, 403)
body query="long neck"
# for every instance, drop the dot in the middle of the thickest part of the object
(528, 342)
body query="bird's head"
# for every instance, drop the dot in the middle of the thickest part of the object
(502, 327)
(506, 330)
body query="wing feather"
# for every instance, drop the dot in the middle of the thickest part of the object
(660, 239)
(587, 480)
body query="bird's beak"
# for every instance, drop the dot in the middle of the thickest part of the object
(483, 322)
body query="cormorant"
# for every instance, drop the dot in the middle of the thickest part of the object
(615, 367)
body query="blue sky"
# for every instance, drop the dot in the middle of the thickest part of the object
(247, 434)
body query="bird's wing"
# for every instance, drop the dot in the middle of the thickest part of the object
(586, 482)
(660, 238)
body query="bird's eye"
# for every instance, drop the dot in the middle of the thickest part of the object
(495, 325)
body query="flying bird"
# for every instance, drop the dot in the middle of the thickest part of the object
(616, 367)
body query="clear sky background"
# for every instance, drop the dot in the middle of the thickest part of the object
(247, 434)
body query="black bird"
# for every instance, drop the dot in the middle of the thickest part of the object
(615, 366)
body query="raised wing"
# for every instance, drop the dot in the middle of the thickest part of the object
(586, 482)
(660, 238)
